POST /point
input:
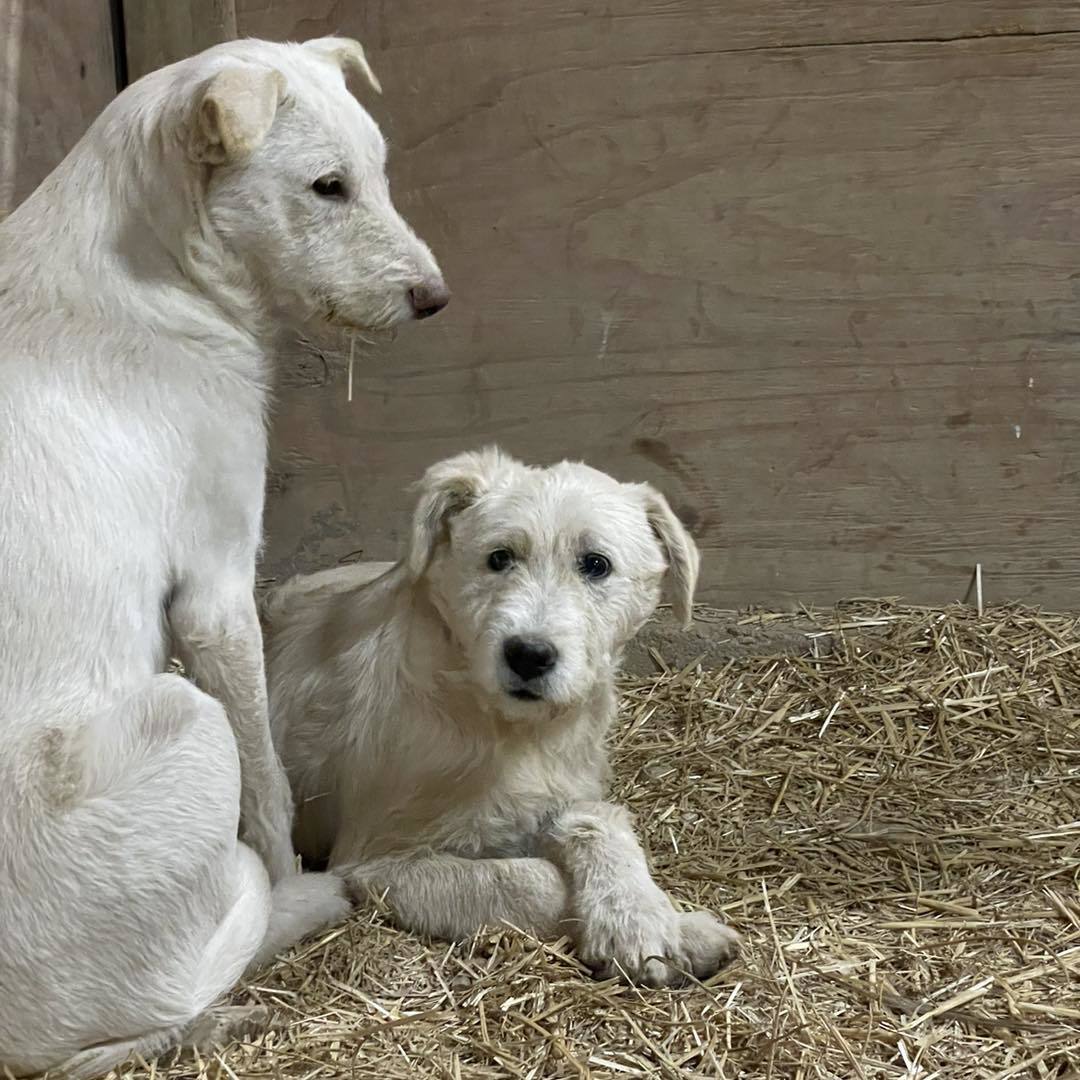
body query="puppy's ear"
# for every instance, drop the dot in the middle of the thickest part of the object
(445, 490)
(234, 112)
(348, 55)
(681, 551)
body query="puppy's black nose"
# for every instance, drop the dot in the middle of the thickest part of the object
(529, 658)
(428, 299)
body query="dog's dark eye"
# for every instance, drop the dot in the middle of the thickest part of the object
(595, 566)
(329, 187)
(500, 559)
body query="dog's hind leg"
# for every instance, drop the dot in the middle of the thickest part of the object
(448, 896)
(211, 1030)
(299, 906)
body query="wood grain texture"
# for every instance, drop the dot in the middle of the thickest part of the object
(56, 75)
(160, 32)
(824, 295)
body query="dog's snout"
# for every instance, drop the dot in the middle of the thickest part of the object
(529, 658)
(429, 298)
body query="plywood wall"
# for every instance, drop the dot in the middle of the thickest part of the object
(810, 267)
(57, 72)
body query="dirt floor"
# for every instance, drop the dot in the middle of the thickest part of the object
(888, 812)
(718, 636)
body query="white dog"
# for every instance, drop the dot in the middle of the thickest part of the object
(143, 284)
(443, 724)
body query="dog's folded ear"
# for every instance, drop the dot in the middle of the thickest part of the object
(446, 489)
(681, 551)
(348, 55)
(234, 112)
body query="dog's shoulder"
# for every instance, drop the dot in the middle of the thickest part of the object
(318, 617)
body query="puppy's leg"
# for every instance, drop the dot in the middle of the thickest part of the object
(217, 637)
(623, 920)
(448, 896)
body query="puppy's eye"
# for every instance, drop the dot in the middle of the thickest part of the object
(595, 566)
(329, 187)
(500, 559)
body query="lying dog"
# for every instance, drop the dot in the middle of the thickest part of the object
(443, 724)
(144, 285)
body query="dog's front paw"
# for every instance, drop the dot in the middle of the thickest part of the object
(649, 942)
(641, 945)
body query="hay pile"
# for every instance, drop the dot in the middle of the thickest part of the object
(894, 826)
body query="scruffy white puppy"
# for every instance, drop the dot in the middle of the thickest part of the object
(443, 724)
(144, 286)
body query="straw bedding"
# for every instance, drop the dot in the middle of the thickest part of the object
(894, 825)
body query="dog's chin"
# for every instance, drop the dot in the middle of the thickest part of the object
(383, 321)
(519, 703)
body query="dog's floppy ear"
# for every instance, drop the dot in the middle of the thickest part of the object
(681, 551)
(446, 489)
(348, 55)
(234, 111)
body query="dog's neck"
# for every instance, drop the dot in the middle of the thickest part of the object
(120, 226)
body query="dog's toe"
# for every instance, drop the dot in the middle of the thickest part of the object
(225, 1024)
(709, 944)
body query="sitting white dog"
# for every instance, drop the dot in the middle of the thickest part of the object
(144, 285)
(443, 725)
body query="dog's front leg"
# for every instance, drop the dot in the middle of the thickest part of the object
(216, 636)
(450, 896)
(624, 922)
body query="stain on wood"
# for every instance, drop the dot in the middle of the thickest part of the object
(56, 74)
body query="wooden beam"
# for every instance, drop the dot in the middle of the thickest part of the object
(160, 32)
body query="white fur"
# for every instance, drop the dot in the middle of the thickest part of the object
(144, 288)
(417, 770)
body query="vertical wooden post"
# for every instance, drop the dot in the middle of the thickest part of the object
(160, 32)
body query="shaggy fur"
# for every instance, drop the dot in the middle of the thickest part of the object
(434, 764)
(143, 286)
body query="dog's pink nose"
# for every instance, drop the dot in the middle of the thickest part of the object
(429, 299)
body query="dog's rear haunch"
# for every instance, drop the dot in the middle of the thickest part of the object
(443, 722)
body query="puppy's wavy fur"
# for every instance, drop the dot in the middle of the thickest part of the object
(432, 764)
(144, 285)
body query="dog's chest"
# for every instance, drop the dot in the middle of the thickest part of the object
(503, 807)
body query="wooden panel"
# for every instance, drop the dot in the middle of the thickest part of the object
(56, 74)
(160, 32)
(824, 295)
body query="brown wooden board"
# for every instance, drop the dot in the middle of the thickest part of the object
(825, 295)
(160, 32)
(56, 74)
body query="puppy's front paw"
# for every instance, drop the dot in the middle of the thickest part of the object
(655, 945)
(637, 937)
